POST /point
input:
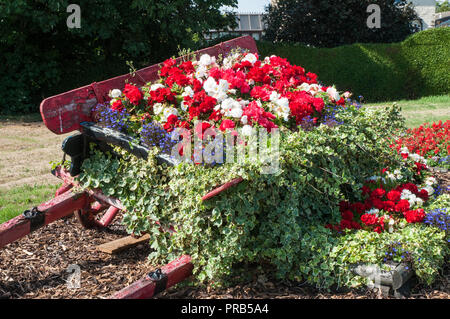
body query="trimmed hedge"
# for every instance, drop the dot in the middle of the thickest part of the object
(410, 69)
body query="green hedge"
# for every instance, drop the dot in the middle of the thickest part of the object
(410, 69)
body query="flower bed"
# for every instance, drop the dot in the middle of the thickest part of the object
(431, 141)
(319, 212)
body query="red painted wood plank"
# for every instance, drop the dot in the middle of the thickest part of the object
(222, 188)
(62, 113)
(56, 208)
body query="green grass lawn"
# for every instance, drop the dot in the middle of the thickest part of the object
(15, 200)
(427, 109)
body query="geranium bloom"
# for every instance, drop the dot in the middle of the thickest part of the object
(414, 216)
(402, 206)
(394, 195)
(132, 93)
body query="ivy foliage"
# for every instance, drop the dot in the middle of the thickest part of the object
(272, 223)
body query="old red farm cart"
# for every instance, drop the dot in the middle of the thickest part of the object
(72, 111)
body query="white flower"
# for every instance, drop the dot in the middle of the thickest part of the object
(412, 200)
(347, 94)
(406, 194)
(244, 119)
(304, 87)
(115, 93)
(184, 106)
(419, 201)
(284, 103)
(333, 94)
(244, 103)
(274, 96)
(206, 60)
(210, 85)
(404, 150)
(236, 112)
(314, 88)
(247, 130)
(157, 108)
(430, 181)
(201, 72)
(429, 189)
(250, 57)
(188, 91)
(231, 107)
(223, 85)
(156, 86)
(391, 177)
(414, 157)
(218, 91)
(391, 225)
(373, 211)
(169, 111)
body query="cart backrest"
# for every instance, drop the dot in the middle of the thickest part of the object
(64, 112)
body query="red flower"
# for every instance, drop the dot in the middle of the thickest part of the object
(402, 206)
(226, 124)
(201, 128)
(171, 122)
(378, 203)
(389, 205)
(347, 215)
(132, 93)
(343, 206)
(414, 216)
(358, 207)
(377, 193)
(394, 195)
(369, 219)
(423, 194)
(117, 106)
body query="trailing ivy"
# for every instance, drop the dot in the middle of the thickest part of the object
(272, 221)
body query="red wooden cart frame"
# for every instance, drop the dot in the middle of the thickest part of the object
(62, 114)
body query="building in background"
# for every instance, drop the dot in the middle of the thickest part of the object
(426, 10)
(252, 23)
(442, 19)
(247, 24)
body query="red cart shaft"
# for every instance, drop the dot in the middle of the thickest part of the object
(46, 213)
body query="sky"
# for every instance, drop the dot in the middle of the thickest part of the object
(252, 5)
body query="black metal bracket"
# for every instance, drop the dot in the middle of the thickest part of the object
(160, 280)
(77, 146)
(36, 218)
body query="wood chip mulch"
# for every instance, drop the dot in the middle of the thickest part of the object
(36, 266)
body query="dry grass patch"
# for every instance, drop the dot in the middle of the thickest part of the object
(25, 152)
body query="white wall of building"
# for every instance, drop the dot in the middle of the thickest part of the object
(426, 10)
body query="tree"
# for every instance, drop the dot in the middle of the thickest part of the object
(41, 56)
(325, 23)
(443, 6)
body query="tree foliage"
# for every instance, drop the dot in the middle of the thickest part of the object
(325, 23)
(41, 56)
(442, 6)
